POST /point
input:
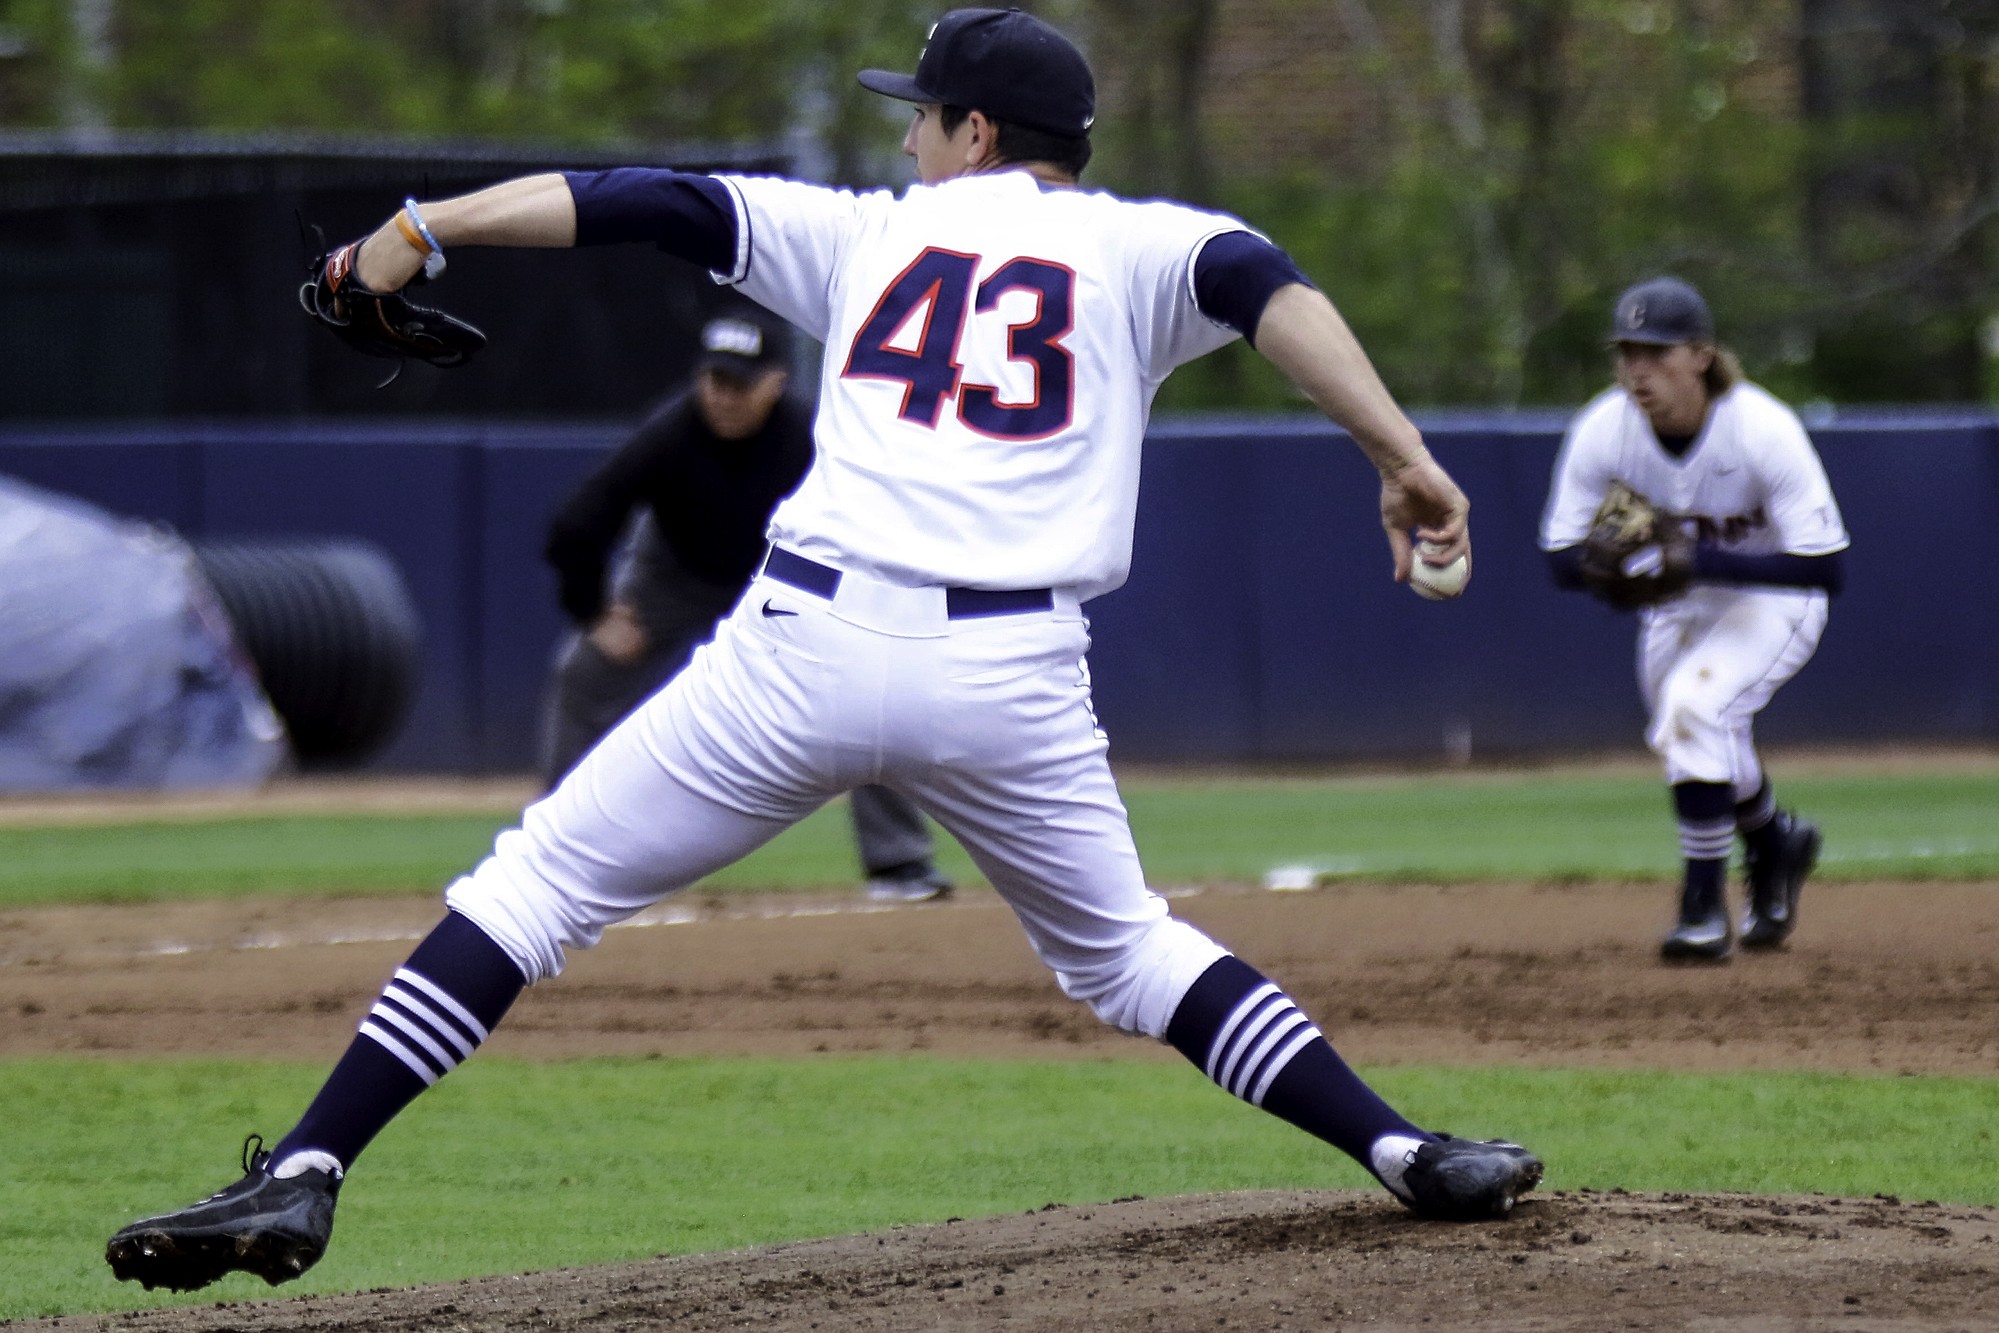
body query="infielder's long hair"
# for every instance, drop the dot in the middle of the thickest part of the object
(1018, 143)
(1723, 373)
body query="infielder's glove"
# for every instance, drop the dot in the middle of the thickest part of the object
(382, 323)
(1635, 554)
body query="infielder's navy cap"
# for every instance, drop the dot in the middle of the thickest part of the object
(1661, 312)
(1004, 62)
(741, 346)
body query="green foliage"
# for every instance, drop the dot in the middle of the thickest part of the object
(579, 70)
(1472, 184)
(1535, 826)
(38, 50)
(1478, 253)
(508, 1167)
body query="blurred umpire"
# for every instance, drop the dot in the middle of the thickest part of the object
(705, 469)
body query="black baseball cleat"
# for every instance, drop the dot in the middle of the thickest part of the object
(1468, 1180)
(1706, 940)
(1776, 880)
(274, 1228)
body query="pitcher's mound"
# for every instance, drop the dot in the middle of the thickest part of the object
(1564, 1261)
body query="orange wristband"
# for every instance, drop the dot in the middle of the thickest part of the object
(417, 242)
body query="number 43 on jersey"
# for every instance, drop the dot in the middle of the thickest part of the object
(941, 282)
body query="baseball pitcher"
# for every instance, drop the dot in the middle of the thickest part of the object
(995, 335)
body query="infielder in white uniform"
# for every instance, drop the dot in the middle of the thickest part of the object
(994, 339)
(1734, 465)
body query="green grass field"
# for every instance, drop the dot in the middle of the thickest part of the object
(1556, 826)
(507, 1167)
(601, 1160)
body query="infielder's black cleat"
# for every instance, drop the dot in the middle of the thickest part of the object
(1776, 880)
(274, 1228)
(1468, 1180)
(1704, 941)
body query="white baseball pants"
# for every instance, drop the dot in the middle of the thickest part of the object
(985, 723)
(1710, 661)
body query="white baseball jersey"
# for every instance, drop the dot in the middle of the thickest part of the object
(1750, 483)
(982, 406)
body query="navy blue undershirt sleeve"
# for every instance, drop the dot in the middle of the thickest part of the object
(683, 214)
(1781, 570)
(1714, 565)
(1565, 566)
(1236, 274)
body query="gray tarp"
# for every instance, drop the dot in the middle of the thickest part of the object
(117, 665)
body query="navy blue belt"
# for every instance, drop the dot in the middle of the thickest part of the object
(959, 603)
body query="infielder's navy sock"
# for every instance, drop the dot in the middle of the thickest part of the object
(1707, 835)
(436, 1011)
(1756, 820)
(1249, 1037)
(1754, 815)
(1703, 889)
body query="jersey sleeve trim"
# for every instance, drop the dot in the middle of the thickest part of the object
(1222, 228)
(740, 269)
(1840, 541)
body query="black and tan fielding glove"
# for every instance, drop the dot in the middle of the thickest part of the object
(1635, 553)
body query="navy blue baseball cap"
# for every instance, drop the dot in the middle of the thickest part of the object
(1008, 64)
(1661, 312)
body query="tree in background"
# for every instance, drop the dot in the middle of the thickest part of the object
(1899, 195)
(1475, 179)
(1472, 179)
(581, 70)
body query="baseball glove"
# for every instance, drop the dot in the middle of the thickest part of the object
(382, 323)
(1635, 554)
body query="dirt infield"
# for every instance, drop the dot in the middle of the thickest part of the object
(1883, 977)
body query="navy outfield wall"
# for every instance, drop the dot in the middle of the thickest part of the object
(1259, 623)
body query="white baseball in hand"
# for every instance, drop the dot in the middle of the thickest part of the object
(1438, 582)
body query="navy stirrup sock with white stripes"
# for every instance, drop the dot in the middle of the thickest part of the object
(435, 1012)
(1249, 1037)
(1707, 815)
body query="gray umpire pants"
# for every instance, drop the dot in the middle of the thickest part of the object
(589, 694)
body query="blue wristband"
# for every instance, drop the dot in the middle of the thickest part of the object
(433, 263)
